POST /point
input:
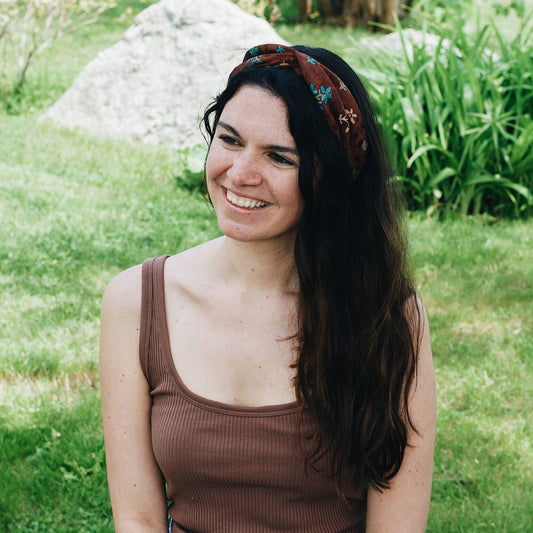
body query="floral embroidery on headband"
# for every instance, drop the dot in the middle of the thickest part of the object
(322, 96)
(325, 94)
(347, 118)
(254, 60)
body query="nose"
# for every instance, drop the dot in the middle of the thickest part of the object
(245, 169)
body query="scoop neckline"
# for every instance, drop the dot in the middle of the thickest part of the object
(202, 401)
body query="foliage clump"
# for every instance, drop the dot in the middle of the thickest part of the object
(459, 119)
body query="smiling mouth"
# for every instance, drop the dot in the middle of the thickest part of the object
(247, 203)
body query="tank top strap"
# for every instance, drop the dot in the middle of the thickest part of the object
(152, 310)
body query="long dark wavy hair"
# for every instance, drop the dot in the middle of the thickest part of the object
(357, 331)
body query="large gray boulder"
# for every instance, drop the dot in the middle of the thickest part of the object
(155, 83)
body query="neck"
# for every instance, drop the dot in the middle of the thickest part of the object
(259, 267)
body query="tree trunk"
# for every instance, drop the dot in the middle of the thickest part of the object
(390, 7)
(304, 9)
(351, 12)
(371, 10)
(328, 8)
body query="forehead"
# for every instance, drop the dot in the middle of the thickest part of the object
(256, 112)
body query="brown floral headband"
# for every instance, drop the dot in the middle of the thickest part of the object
(337, 103)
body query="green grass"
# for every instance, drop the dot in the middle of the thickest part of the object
(73, 217)
(77, 209)
(474, 278)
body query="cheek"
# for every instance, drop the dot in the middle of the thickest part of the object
(295, 192)
(209, 173)
(215, 166)
(209, 165)
(216, 163)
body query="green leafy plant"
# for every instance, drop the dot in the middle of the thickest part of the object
(189, 173)
(458, 115)
(272, 10)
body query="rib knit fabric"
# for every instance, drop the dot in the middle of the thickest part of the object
(232, 469)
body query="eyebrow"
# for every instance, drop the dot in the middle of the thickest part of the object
(274, 147)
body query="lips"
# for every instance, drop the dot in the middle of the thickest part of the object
(246, 203)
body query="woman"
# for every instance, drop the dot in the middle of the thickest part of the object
(278, 377)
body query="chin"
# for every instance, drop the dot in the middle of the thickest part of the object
(240, 234)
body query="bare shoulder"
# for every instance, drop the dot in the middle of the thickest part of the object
(417, 318)
(424, 386)
(120, 321)
(122, 297)
(192, 269)
(415, 313)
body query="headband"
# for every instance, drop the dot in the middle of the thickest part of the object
(337, 103)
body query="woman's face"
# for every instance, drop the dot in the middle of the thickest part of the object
(252, 169)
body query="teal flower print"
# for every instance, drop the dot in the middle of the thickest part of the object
(317, 96)
(254, 60)
(325, 94)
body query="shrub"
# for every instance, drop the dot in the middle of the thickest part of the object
(459, 119)
(272, 10)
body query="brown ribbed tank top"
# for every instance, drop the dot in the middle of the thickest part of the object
(232, 469)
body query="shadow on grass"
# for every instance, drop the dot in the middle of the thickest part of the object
(58, 458)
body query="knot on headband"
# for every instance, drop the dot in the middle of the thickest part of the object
(336, 102)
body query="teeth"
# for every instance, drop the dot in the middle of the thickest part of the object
(244, 202)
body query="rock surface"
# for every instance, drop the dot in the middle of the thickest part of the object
(156, 82)
(411, 38)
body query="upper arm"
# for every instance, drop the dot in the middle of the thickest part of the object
(405, 506)
(135, 482)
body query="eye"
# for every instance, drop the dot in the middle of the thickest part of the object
(280, 160)
(229, 140)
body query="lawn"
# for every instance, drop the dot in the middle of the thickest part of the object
(77, 209)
